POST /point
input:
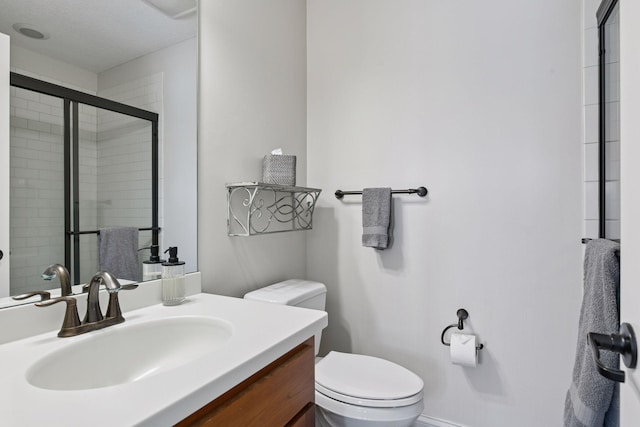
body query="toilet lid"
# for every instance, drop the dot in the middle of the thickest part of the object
(367, 380)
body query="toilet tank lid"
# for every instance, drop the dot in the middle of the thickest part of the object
(289, 292)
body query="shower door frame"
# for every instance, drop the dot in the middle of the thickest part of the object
(71, 101)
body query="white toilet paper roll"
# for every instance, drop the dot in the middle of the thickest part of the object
(463, 350)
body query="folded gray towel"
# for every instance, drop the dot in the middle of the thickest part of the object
(118, 252)
(592, 400)
(376, 217)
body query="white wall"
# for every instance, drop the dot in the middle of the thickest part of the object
(481, 103)
(630, 153)
(178, 133)
(53, 70)
(252, 99)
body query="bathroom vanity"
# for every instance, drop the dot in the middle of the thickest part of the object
(212, 360)
(281, 394)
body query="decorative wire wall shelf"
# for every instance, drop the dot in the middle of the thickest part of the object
(259, 208)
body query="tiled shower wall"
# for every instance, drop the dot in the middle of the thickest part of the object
(590, 110)
(88, 178)
(37, 179)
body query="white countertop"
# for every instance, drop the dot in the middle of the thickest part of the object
(262, 332)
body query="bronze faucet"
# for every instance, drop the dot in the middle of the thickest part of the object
(93, 320)
(51, 272)
(44, 295)
(63, 276)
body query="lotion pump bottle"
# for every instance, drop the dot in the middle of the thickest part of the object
(152, 268)
(173, 278)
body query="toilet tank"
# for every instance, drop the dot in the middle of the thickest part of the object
(295, 292)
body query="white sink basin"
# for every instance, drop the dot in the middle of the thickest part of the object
(158, 367)
(128, 353)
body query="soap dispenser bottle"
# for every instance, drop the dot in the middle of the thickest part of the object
(152, 268)
(173, 278)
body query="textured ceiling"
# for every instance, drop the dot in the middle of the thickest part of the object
(94, 34)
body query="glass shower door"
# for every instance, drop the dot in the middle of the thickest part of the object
(36, 188)
(114, 183)
(79, 163)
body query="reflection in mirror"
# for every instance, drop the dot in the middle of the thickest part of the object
(609, 147)
(36, 191)
(110, 158)
(116, 189)
(126, 51)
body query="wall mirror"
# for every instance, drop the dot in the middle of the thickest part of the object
(140, 53)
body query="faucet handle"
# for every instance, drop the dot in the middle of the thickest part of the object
(44, 295)
(113, 309)
(85, 288)
(71, 318)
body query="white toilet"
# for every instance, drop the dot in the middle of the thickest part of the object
(352, 390)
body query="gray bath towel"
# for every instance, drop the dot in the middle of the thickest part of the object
(592, 400)
(376, 217)
(118, 252)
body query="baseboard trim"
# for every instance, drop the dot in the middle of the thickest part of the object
(426, 421)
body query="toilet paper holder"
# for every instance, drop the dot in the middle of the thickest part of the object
(462, 315)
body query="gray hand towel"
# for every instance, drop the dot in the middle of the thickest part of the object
(592, 400)
(118, 252)
(376, 217)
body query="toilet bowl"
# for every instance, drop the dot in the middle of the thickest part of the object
(351, 390)
(355, 390)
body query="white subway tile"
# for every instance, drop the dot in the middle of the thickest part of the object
(51, 101)
(27, 114)
(612, 121)
(591, 200)
(24, 153)
(26, 94)
(27, 134)
(591, 126)
(39, 107)
(51, 119)
(612, 200)
(26, 173)
(19, 102)
(591, 85)
(39, 126)
(591, 57)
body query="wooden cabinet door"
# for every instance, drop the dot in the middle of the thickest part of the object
(273, 397)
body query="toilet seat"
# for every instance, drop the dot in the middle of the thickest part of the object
(367, 381)
(371, 403)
